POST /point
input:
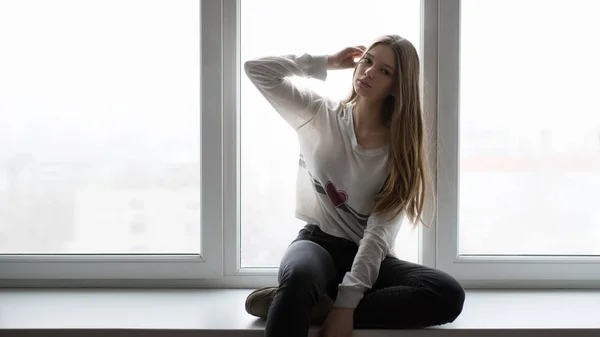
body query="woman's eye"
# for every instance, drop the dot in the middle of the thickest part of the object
(385, 71)
(366, 60)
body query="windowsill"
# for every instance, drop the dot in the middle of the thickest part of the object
(220, 312)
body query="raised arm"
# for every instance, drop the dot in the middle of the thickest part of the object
(271, 76)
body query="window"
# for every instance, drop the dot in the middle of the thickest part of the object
(527, 143)
(530, 130)
(104, 140)
(134, 151)
(269, 149)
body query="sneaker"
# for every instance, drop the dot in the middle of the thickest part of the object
(259, 301)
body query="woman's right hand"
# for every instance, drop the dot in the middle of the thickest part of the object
(344, 59)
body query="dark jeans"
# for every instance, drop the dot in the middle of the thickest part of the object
(405, 295)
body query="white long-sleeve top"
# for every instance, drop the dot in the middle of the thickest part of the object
(337, 178)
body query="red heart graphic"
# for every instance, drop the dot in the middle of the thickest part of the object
(337, 197)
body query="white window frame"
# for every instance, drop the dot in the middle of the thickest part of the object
(219, 265)
(235, 275)
(476, 271)
(81, 270)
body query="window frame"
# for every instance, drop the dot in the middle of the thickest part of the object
(81, 270)
(477, 271)
(220, 264)
(256, 277)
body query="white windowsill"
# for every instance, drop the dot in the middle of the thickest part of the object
(220, 312)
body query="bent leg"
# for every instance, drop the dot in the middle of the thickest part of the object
(306, 269)
(409, 295)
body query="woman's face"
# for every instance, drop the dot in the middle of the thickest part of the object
(375, 73)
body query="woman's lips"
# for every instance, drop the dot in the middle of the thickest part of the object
(363, 84)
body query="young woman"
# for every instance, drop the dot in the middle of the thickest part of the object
(362, 170)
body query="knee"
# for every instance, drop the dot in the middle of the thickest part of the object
(300, 277)
(454, 298)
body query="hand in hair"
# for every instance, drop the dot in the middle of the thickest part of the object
(344, 59)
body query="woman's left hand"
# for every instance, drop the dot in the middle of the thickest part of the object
(339, 323)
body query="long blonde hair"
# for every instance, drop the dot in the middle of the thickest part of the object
(409, 178)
